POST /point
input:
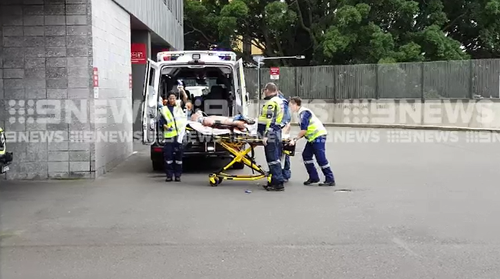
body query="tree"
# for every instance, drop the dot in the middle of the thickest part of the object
(352, 31)
(201, 21)
(476, 24)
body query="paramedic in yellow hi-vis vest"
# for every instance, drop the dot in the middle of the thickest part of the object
(174, 123)
(315, 133)
(269, 128)
(5, 157)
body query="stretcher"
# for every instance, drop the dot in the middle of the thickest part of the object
(235, 142)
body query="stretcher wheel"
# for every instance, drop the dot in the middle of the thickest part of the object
(214, 180)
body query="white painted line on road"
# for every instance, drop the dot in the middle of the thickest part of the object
(135, 152)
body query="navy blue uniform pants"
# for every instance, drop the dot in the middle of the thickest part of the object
(317, 149)
(287, 173)
(172, 156)
(273, 154)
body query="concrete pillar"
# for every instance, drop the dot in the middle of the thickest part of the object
(138, 70)
(45, 51)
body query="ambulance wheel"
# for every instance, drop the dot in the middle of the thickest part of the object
(238, 166)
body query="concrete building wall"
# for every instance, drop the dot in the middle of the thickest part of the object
(45, 55)
(163, 17)
(111, 55)
(48, 50)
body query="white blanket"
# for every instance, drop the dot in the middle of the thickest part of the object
(217, 132)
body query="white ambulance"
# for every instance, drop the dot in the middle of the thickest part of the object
(215, 82)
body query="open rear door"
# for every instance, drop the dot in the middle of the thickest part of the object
(150, 102)
(243, 94)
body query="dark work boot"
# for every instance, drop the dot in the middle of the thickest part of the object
(276, 188)
(309, 182)
(327, 183)
(169, 179)
(177, 179)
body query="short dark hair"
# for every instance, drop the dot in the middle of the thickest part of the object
(296, 100)
(271, 87)
(171, 93)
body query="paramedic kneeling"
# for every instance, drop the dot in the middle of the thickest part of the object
(174, 123)
(313, 130)
(269, 128)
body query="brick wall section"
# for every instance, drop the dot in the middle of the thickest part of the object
(111, 53)
(46, 54)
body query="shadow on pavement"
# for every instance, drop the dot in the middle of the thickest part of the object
(140, 163)
(138, 168)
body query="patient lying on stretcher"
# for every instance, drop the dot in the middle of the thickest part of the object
(223, 122)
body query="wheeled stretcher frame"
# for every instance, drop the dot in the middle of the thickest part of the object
(235, 143)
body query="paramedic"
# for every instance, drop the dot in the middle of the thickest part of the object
(313, 130)
(183, 93)
(173, 122)
(285, 126)
(270, 130)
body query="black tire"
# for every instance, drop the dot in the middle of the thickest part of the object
(157, 165)
(238, 166)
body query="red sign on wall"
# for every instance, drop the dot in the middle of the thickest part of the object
(139, 54)
(275, 72)
(96, 77)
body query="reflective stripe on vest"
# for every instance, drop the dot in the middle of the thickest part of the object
(175, 123)
(315, 128)
(272, 112)
(2, 142)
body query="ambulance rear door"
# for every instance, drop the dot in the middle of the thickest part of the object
(242, 96)
(150, 102)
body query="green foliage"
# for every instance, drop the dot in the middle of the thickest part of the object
(349, 31)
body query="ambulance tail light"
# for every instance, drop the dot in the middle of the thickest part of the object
(225, 57)
(170, 57)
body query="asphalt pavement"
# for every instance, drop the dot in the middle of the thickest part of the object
(402, 208)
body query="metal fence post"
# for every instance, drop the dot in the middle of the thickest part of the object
(422, 89)
(471, 80)
(377, 93)
(296, 82)
(334, 84)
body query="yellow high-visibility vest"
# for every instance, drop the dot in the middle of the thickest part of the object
(271, 112)
(3, 143)
(175, 123)
(315, 128)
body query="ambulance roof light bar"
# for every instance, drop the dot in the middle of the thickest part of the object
(195, 55)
